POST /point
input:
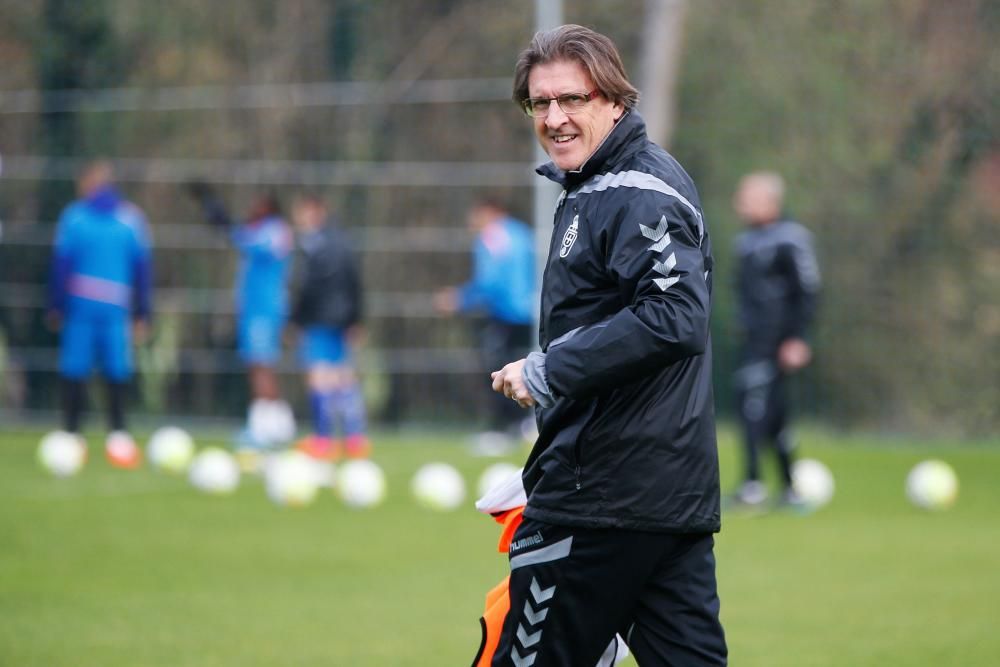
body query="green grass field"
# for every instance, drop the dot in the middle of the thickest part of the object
(136, 568)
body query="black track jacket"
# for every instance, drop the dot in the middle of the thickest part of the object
(326, 282)
(628, 437)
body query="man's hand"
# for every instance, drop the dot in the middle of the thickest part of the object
(53, 321)
(509, 381)
(794, 354)
(140, 331)
(356, 336)
(290, 335)
(198, 190)
(446, 301)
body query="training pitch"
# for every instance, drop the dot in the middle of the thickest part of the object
(136, 569)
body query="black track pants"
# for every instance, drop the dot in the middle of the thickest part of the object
(572, 589)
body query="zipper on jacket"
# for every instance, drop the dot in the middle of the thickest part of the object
(578, 470)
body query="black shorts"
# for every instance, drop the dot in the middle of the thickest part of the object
(572, 589)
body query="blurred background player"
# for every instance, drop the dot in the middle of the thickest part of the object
(503, 287)
(100, 280)
(264, 242)
(777, 286)
(326, 306)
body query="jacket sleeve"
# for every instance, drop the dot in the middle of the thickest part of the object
(62, 264)
(653, 253)
(798, 261)
(142, 268)
(298, 282)
(354, 288)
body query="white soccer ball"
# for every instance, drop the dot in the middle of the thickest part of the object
(361, 483)
(171, 449)
(271, 423)
(494, 476)
(62, 453)
(438, 486)
(292, 478)
(813, 482)
(932, 485)
(214, 471)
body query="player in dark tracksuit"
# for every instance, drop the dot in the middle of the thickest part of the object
(623, 482)
(326, 306)
(777, 287)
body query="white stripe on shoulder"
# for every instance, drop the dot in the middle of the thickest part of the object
(642, 181)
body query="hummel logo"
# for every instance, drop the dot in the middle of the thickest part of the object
(659, 235)
(661, 238)
(528, 541)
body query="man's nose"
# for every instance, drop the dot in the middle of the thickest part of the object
(555, 116)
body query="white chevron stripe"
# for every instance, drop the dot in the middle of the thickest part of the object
(541, 595)
(665, 283)
(547, 554)
(660, 245)
(527, 661)
(665, 267)
(655, 234)
(527, 641)
(533, 617)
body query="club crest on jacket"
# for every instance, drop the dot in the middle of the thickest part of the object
(569, 238)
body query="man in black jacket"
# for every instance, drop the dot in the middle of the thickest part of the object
(326, 306)
(623, 483)
(777, 286)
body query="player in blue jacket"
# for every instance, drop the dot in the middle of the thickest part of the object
(100, 280)
(265, 243)
(503, 288)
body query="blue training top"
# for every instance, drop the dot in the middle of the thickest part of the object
(102, 254)
(265, 250)
(503, 276)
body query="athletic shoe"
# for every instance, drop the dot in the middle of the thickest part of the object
(121, 451)
(358, 447)
(752, 494)
(791, 500)
(319, 447)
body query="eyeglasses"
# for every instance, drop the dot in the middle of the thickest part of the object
(570, 103)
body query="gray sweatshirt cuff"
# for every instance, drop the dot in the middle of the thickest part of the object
(535, 380)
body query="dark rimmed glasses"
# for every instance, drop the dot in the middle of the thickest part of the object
(570, 103)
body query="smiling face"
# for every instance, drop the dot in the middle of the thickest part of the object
(570, 139)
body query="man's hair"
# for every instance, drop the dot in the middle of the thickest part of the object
(593, 51)
(310, 197)
(490, 200)
(770, 181)
(99, 168)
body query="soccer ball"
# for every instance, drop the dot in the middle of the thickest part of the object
(62, 453)
(813, 482)
(271, 423)
(361, 483)
(438, 486)
(932, 485)
(291, 478)
(214, 471)
(495, 475)
(171, 449)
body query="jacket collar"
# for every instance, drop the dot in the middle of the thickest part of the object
(104, 200)
(627, 134)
